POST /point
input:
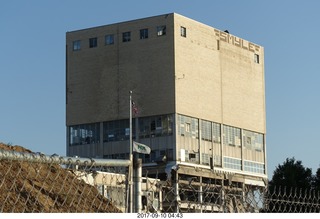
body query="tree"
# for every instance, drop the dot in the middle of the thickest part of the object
(292, 174)
(290, 182)
(316, 181)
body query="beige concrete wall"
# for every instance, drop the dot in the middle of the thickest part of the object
(208, 74)
(222, 84)
(168, 74)
(99, 79)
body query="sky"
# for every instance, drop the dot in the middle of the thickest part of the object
(32, 64)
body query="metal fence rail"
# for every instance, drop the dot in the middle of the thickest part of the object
(33, 182)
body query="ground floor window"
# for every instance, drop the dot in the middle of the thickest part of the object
(254, 167)
(232, 163)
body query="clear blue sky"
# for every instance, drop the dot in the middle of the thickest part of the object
(32, 64)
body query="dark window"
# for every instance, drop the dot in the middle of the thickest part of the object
(109, 40)
(84, 134)
(183, 31)
(76, 45)
(256, 58)
(161, 30)
(144, 34)
(93, 42)
(126, 37)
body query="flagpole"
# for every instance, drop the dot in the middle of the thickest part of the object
(130, 122)
(131, 156)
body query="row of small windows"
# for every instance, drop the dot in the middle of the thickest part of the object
(163, 126)
(84, 134)
(254, 167)
(232, 163)
(248, 166)
(211, 131)
(206, 159)
(144, 34)
(154, 126)
(126, 37)
(228, 162)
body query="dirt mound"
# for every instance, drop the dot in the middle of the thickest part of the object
(35, 187)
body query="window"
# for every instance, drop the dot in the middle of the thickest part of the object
(161, 30)
(188, 126)
(84, 134)
(205, 159)
(232, 136)
(254, 167)
(117, 130)
(253, 140)
(76, 45)
(232, 163)
(155, 126)
(183, 31)
(216, 132)
(206, 130)
(256, 58)
(218, 44)
(109, 39)
(126, 37)
(93, 42)
(144, 34)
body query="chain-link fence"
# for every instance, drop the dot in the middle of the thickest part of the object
(32, 182)
(212, 196)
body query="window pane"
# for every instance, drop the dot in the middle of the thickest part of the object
(93, 42)
(232, 136)
(144, 34)
(206, 130)
(256, 58)
(76, 45)
(253, 140)
(183, 31)
(161, 30)
(216, 132)
(84, 134)
(109, 39)
(126, 37)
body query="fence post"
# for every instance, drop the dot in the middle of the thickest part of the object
(137, 180)
(176, 189)
(200, 195)
(129, 192)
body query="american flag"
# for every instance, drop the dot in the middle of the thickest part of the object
(134, 109)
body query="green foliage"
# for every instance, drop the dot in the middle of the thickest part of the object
(316, 180)
(293, 181)
(292, 174)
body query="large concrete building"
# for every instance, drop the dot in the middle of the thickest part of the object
(199, 93)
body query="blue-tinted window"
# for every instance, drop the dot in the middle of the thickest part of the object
(76, 45)
(109, 39)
